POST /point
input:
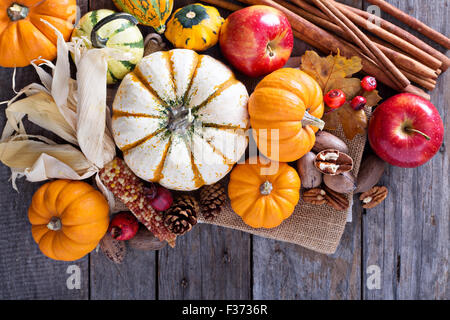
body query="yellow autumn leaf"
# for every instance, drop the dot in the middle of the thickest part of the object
(334, 72)
(326, 70)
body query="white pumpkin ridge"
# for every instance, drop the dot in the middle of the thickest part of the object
(181, 119)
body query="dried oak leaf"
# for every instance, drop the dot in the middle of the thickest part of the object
(353, 122)
(334, 72)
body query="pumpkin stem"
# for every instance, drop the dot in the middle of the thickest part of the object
(17, 12)
(55, 224)
(190, 15)
(180, 119)
(310, 120)
(266, 188)
(99, 42)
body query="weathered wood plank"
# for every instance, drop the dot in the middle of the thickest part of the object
(135, 278)
(25, 273)
(286, 271)
(408, 235)
(208, 263)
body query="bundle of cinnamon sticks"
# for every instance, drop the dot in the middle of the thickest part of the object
(391, 54)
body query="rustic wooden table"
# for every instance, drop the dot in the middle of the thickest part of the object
(406, 238)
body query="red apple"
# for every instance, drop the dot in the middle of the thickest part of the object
(406, 130)
(256, 40)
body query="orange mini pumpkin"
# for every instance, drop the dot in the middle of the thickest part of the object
(24, 37)
(68, 219)
(264, 194)
(285, 111)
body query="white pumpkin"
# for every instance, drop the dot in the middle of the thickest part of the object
(180, 119)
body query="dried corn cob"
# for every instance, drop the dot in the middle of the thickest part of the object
(126, 186)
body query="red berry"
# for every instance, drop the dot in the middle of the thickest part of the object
(123, 226)
(163, 199)
(369, 83)
(358, 103)
(335, 98)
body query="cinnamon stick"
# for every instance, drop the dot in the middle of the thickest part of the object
(404, 61)
(401, 60)
(412, 22)
(426, 83)
(406, 46)
(224, 4)
(405, 35)
(326, 42)
(363, 42)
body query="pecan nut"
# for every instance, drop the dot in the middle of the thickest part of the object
(315, 196)
(336, 200)
(373, 197)
(333, 162)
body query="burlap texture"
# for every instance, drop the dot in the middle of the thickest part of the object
(318, 228)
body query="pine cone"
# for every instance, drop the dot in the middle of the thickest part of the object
(182, 215)
(212, 198)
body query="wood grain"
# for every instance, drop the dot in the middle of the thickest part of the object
(408, 235)
(286, 271)
(208, 263)
(134, 278)
(25, 273)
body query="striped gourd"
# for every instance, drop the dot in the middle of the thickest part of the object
(120, 33)
(153, 13)
(180, 119)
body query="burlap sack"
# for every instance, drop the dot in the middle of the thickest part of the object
(318, 228)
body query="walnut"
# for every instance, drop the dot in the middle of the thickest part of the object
(336, 200)
(333, 162)
(315, 196)
(373, 197)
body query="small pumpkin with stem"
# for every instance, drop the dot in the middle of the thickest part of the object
(285, 111)
(194, 27)
(68, 219)
(264, 193)
(25, 37)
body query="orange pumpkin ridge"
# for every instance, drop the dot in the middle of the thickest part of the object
(68, 219)
(263, 201)
(26, 36)
(285, 111)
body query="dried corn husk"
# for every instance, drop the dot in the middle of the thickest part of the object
(75, 110)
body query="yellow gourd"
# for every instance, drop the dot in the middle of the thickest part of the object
(194, 27)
